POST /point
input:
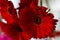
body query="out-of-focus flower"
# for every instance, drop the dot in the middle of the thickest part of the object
(4, 37)
(5, 13)
(11, 9)
(12, 27)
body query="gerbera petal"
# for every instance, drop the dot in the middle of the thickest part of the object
(11, 9)
(26, 3)
(5, 13)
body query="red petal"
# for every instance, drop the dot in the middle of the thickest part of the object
(5, 13)
(11, 9)
(27, 3)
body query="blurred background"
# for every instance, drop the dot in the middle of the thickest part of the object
(54, 5)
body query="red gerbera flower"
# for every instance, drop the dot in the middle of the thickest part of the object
(34, 21)
(5, 13)
(14, 31)
(11, 9)
(12, 27)
(37, 22)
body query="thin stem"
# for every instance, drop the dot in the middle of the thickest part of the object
(0, 30)
(40, 3)
(47, 3)
(0, 17)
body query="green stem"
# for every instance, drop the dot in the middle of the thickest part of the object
(40, 3)
(0, 18)
(47, 3)
(0, 30)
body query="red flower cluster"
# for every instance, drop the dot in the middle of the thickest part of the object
(34, 21)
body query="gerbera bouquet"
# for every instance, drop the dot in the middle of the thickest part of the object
(33, 21)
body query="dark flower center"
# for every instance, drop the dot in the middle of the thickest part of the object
(18, 28)
(37, 20)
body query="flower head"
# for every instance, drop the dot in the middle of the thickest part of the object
(37, 22)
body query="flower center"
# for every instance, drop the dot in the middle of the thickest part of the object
(37, 19)
(18, 28)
